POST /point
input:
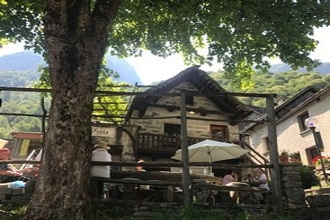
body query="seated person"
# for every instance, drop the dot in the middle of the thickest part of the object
(140, 169)
(100, 153)
(231, 176)
(8, 173)
(260, 177)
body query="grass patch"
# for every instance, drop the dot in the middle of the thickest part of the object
(12, 211)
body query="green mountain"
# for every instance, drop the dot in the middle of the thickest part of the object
(29, 62)
(20, 70)
(282, 67)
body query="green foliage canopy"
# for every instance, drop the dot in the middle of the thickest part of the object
(238, 34)
(106, 108)
(19, 103)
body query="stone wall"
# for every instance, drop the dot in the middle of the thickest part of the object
(293, 193)
(293, 197)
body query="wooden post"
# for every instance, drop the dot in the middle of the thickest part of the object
(184, 151)
(272, 142)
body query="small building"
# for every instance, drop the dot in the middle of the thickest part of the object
(293, 136)
(26, 144)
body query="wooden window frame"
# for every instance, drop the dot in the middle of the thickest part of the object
(301, 121)
(215, 129)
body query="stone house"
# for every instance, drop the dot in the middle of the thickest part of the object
(293, 136)
(156, 115)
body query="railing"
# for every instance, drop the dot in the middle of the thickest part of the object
(163, 183)
(164, 144)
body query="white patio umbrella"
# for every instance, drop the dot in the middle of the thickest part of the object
(212, 151)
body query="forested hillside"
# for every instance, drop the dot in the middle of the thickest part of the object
(21, 70)
(20, 103)
(283, 84)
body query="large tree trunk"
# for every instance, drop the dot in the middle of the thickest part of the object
(75, 40)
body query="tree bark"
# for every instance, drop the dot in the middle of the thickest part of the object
(75, 41)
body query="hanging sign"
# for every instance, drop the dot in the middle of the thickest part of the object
(197, 127)
(103, 132)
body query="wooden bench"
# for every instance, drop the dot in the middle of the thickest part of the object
(9, 194)
(16, 195)
(159, 190)
(226, 194)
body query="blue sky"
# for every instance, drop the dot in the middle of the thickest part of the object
(151, 68)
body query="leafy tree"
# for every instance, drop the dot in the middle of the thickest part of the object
(110, 108)
(20, 103)
(76, 34)
(105, 107)
(4, 128)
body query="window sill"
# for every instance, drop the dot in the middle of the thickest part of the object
(305, 132)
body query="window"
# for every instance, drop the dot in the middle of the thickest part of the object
(301, 121)
(172, 129)
(219, 132)
(189, 99)
(311, 153)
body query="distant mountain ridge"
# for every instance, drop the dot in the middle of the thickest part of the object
(29, 61)
(324, 68)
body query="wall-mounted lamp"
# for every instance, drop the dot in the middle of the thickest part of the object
(192, 113)
(311, 123)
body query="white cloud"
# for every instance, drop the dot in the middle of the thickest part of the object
(151, 68)
(11, 48)
(323, 48)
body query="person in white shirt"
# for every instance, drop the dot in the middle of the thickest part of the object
(101, 154)
(260, 177)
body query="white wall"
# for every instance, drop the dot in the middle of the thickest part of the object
(289, 136)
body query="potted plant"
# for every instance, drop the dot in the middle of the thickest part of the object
(308, 177)
(295, 157)
(284, 157)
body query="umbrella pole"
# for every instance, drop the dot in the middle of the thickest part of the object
(210, 163)
(210, 170)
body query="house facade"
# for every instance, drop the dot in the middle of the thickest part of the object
(210, 114)
(293, 135)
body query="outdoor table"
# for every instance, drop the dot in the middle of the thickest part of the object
(162, 184)
(162, 175)
(130, 188)
(238, 196)
(253, 184)
(236, 192)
